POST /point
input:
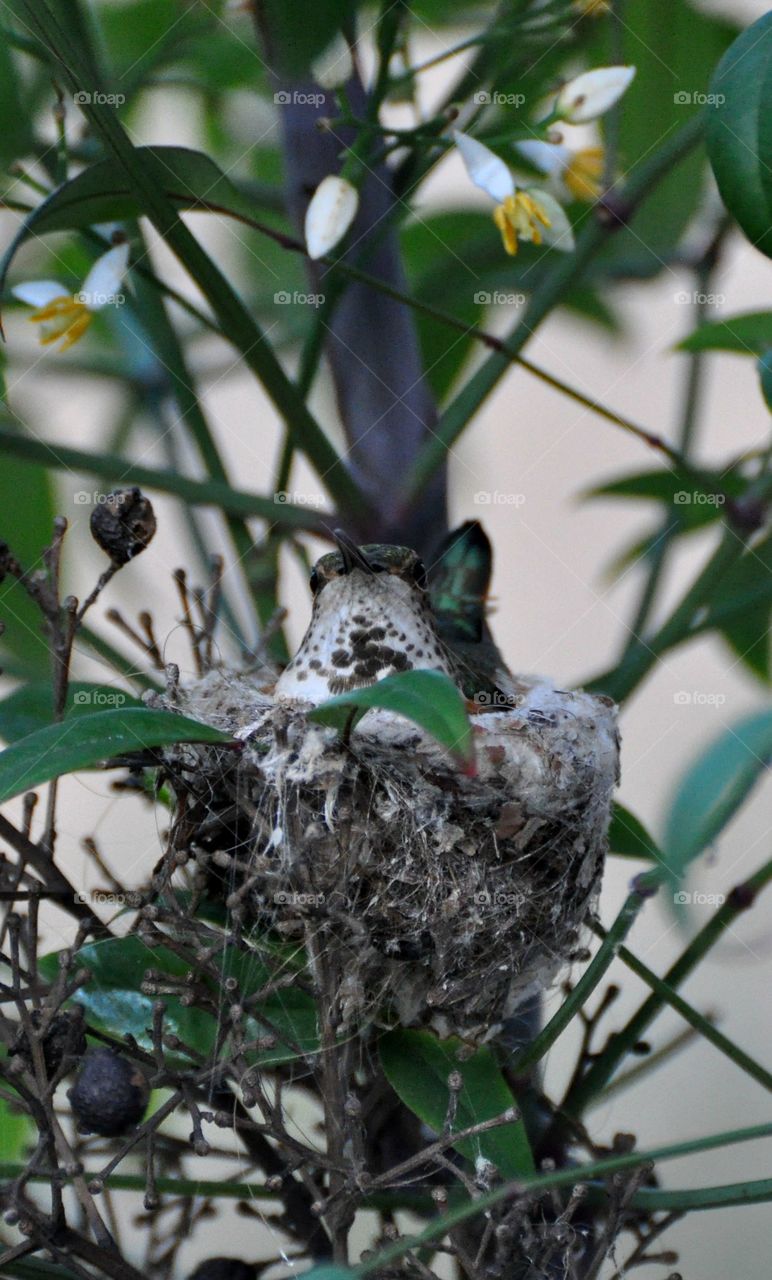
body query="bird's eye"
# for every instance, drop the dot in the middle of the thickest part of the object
(419, 575)
(314, 582)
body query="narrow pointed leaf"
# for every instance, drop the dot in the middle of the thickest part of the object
(85, 741)
(417, 1066)
(628, 837)
(101, 193)
(27, 511)
(739, 131)
(748, 334)
(428, 698)
(712, 790)
(30, 707)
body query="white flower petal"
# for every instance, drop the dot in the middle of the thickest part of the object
(487, 171)
(333, 66)
(547, 157)
(592, 94)
(105, 278)
(38, 293)
(559, 234)
(329, 215)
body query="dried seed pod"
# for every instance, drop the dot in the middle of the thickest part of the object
(224, 1269)
(64, 1041)
(123, 524)
(109, 1095)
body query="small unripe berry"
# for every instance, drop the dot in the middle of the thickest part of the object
(224, 1269)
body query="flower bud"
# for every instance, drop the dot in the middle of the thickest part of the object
(593, 93)
(329, 215)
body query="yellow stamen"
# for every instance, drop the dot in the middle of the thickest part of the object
(583, 172)
(592, 8)
(66, 318)
(518, 218)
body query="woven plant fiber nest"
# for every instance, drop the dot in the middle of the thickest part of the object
(446, 900)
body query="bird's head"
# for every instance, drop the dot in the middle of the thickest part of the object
(371, 617)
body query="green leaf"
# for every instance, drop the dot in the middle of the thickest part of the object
(428, 698)
(26, 524)
(101, 193)
(714, 787)
(691, 501)
(143, 35)
(675, 47)
(417, 1066)
(739, 131)
(15, 136)
(629, 838)
(37, 1269)
(84, 741)
(740, 608)
(748, 334)
(329, 1273)
(16, 1131)
(30, 707)
(764, 366)
(299, 32)
(115, 1003)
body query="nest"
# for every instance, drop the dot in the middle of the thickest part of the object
(444, 900)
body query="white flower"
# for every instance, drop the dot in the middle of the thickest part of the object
(527, 214)
(333, 66)
(575, 175)
(329, 215)
(68, 316)
(592, 93)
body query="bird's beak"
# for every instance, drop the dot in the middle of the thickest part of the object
(353, 556)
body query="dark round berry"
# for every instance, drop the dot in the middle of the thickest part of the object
(109, 1095)
(224, 1269)
(123, 524)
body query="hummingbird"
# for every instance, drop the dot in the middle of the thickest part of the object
(376, 613)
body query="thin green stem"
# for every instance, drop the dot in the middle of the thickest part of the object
(695, 1019)
(650, 1063)
(584, 988)
(559, 1178)
(620, 682)
(654, 1200)
(169, 352)
(692, 393)
(208, 493)
(619, 1045)
(489, 340)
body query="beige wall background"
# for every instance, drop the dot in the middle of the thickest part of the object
(554, 613)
